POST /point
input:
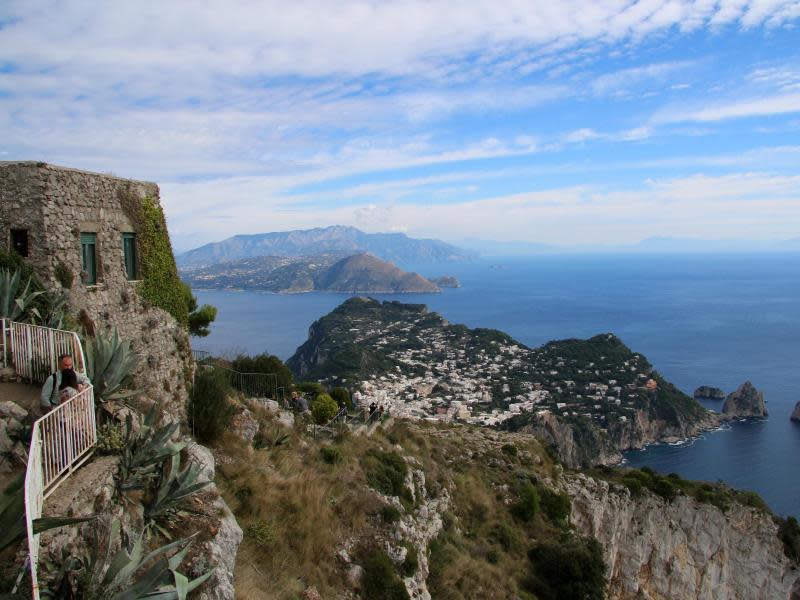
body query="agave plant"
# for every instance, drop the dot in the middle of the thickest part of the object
(173, 488)
(12, 516)
(145, 450)
(273, 439)
(54, 310)
(110, 362)
(128, 574)
(16, 304)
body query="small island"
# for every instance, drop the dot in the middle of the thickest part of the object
(356, 274)
(446, 281)
(707, 392)
(796, 413)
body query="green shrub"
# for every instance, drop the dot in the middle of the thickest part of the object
(556, 505)
(386, 472)
(209, 408)
(440, 555)
(331, 455)
(64, 275)
(492, 556)
(665, 488)
(390, 513)
(633, 484)
(752, 499)
(509, 449)
(110, 439)
(380, 582)
(342, 397)
(411, 562)
(570, 568)
(261, 533)
(310, 388)
(323, 409)
(506, 536)
(526, 508)
(264, 363)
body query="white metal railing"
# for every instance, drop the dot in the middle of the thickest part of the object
(34, 350)
(5, 339)
(61, 441)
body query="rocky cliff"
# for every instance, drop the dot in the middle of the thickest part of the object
(745, 402)
(656, 549)
(796, 413)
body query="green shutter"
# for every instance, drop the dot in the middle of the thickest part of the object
(129, 248)
(89, 256)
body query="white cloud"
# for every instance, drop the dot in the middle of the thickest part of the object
(621, 82)
(751, 205)
(756, 107)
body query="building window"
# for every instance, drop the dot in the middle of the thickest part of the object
(19, 241)
(129, 248)
(89, 257)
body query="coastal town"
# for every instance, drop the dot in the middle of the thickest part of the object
(432, 370)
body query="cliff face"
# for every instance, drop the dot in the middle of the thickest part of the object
(745, 402)
(796, 413)
(682, 549)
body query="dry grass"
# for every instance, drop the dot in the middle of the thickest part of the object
(297, 510)
(305, 507)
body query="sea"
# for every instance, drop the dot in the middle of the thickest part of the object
(704, 319)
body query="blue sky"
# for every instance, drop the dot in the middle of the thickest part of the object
(564, 123)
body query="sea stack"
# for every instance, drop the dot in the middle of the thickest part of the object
(796, 413)
(745, 402)
(706, 392)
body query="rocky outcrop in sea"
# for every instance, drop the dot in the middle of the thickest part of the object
(796, 413)
(707, 392)
(745, 402)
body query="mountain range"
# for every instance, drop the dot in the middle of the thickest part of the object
(336, 239)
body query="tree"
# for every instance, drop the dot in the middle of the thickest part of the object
(342, 397)
(324, 409)
(200, 317)
(209, 408)
(264, 363)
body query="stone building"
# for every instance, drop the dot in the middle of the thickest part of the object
(103, 242)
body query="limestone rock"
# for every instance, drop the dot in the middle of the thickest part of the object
(221, 551)
(310, 593)
(204, 458)
(745, 402)
(6, 444)
(222, 548)
(796, 413)
(244, 425)
(355, 574)
(12, 410)
(707, 392)
(285, 418)
(680, 549)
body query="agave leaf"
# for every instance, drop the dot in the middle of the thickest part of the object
(124, 564)
(45, 523)
(181, 584)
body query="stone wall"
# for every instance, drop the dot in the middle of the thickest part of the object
(56, 205)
